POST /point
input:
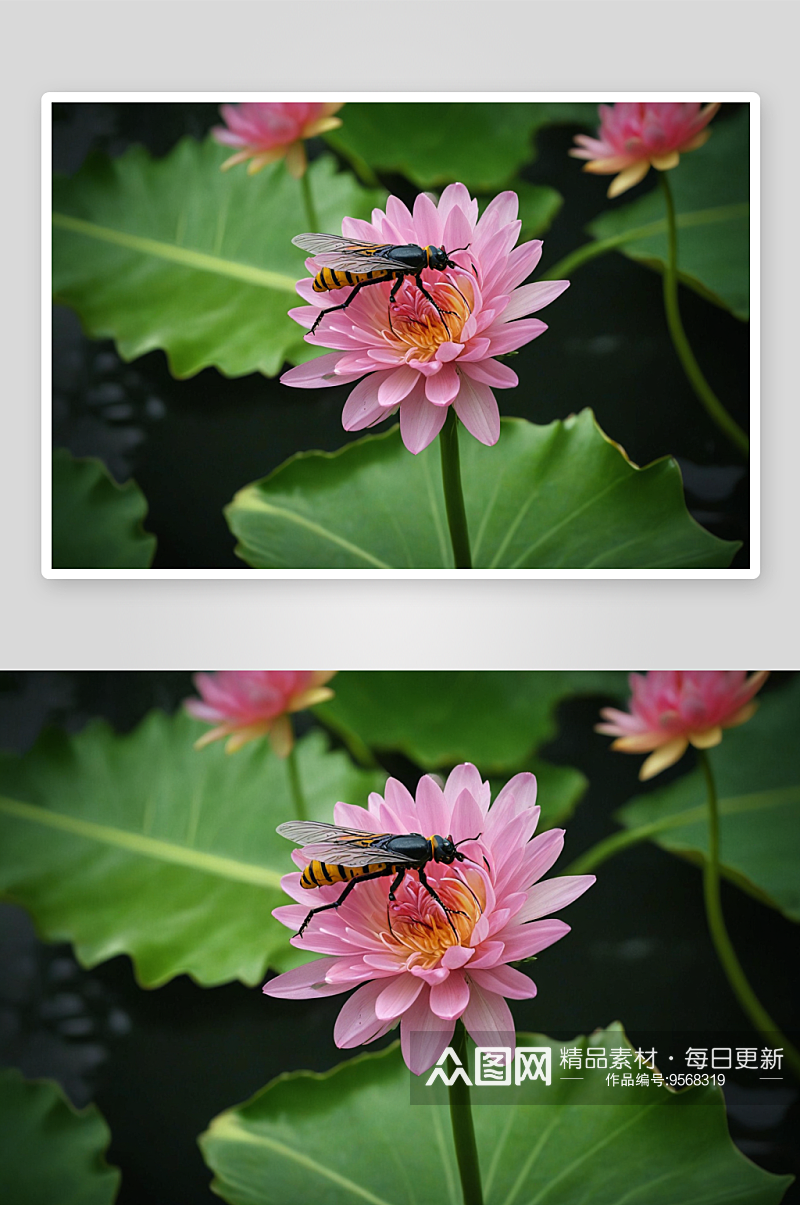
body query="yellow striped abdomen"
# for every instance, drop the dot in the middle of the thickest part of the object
(319, 874)
(329, 279)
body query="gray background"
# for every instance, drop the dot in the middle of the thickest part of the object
(398, 46)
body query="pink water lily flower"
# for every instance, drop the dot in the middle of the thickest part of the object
(408, 961)
(265, 131)
(246, 704)
(411, 357)
(672, 709)
(633, 137)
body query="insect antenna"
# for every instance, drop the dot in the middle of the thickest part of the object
(464, 841)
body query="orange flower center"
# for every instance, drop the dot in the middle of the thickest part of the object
(421, 931)
(417, 329)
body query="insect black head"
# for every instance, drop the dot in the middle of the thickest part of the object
(445, 849)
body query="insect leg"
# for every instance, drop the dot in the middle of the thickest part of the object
(332, 309)
(438, 309)
(401, 874)
(447, 911)
(375, 874)
(392, 296)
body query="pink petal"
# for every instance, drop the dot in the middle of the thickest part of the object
(315, 374)
(427, 223)
(400, 217)
(433, 812)
(517, 795)
(544, 850)
(457, 232)
(443, 387)
(401, 801)
(554, 894)
(396, 385)
(362, 408)
(521, 263)
(456, 196)
(350, 815)
(456, 957)
(467, 818)
(357, 1022)
(291, 915)
(489, 954)
(524, 941)
(303, 983)
(360, 229)
(508, 338)
(423, 1036)
(476, 406)
(466, 777)
(478, 349)
(449, 999)
(505, 981)
(530, 298)
(500, 211)
(491, 372)
(446, 352)
(400, 994)
(420, 421)
(487, 1016)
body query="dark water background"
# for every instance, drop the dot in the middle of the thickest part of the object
(161, 1063)
(192, 444)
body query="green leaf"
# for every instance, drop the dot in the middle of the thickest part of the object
(50, 1151)
(97, 524)
(538, 206)
(172, 253)
(141, 845)
(351, 1136)
(562, 496)
(711, 190)
(495, 719)
(482, 145)
(757, 773)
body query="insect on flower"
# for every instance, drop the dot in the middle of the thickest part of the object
(348, 855)
(346, 262)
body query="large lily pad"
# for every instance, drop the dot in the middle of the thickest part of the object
(97, 524)
(495, 719)
(561, 496)
(757, 772)
(481, 144)
(351, 1136)
(711, 190)
(172, 253)
(49, 1151)
(141, 845)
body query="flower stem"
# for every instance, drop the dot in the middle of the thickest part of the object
(463, 1129)
(453, 493)
(700, 385)
(298, 798)
(747, 998)
(311, 213)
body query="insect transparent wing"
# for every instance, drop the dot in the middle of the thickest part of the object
(339, 846)
(347, 254)
(303, 832)
(353, 855)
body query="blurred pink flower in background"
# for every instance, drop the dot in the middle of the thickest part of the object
(417, 365)
(633, 137)
(404, 958)
(246, 704)
(672, 709)
(269, 130)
